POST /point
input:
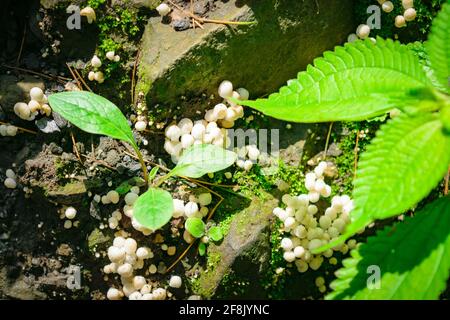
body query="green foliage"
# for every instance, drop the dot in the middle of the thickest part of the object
(153, 173)
(439, 47)
(92, 113)
(195, 226)
(201, 159)
(153, 209)
(406, 160)
(201, 249)
(413, 258)
(215, 233)
(359, 81)
(402, 149)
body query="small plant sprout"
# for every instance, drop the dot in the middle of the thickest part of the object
(154, 208)
(89, 13)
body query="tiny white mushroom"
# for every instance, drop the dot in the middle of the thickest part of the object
(140, 125)
(163, 9)
(37, 94)
(400, 21)
(22, 110)
(387, 6)
(96, 62)
(175, 282)
(70, 213)
(110, 55)
(363, 31)
(410, 14)
(10, 183)
(89, 13)
(225, 89)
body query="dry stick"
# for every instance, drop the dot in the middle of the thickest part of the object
(43, 75)
(133, 75)
(75, 147)
(446, 181)
(100, 162)
(356, 154)
(20, 128)
(21, 45)
(328, 139)
(81, 79)
(74, 77)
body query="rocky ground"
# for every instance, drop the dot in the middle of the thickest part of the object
(169, 68)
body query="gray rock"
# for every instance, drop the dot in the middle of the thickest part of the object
(288, 35)
(47, 125)
(245, 249)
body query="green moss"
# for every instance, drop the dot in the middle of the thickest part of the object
(274, 281)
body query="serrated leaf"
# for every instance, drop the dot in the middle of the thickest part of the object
(438, 46)
(92, 113)
(356, 82)
(404, 162)
(195, 226)
(153, 209)
(413, 258)
(215, 233)
(201, 159)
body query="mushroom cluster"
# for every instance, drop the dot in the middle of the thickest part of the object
(96, 75)
(38, 103)
(126, 257)
(212, 129)
(10, 181)
(409, 14)
(307, 228)
(8, 130)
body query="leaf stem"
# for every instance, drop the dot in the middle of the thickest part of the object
(142, 162)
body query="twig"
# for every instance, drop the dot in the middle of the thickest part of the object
(43, 75)
(328, 138)
(75, 147)
(205, 20)
(20, 128)
(74, 77)
(21, 45)
(81, 79)
(100, 162)
(446, 181)
(356, 154)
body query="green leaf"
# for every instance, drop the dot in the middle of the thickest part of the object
(438, 46)
(359, 81)
(153, 173)
(215, 233)
(92, 113)
(403, 163)
(201, 249)
(201, 159)
(195, 226)
(153, 209)
(413, 258)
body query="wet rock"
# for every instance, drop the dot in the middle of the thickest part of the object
(181, 24)
(192, 62)
(245, 250)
